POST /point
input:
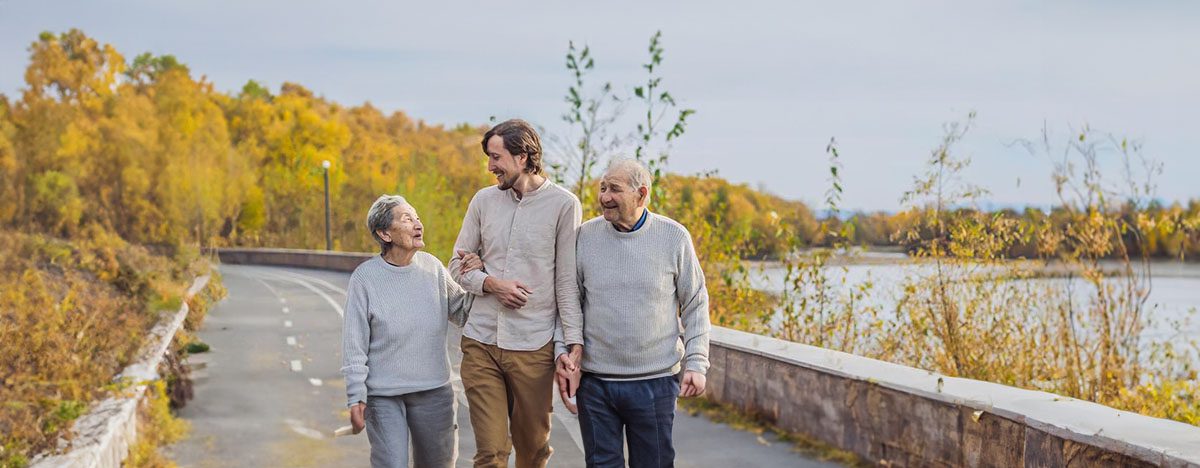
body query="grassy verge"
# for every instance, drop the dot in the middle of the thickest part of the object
(157, 426)
(72, 314)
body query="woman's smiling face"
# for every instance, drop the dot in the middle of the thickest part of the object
(406, 231)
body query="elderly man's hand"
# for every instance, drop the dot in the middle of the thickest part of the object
(513, 294)
(470, 261)
(693, 384)
(357, 420)
(569, 361)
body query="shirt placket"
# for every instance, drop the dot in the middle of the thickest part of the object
(514, 231)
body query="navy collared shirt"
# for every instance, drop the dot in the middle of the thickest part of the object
(641, 221)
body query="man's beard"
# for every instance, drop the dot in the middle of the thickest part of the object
(506, 182)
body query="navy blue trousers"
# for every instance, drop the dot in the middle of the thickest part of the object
(640, 411)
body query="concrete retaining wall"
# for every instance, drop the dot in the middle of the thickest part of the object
(893, 414)
(103, 436)
(904, 416)
(336, 261)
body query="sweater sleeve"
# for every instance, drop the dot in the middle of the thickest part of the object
(458, 300)
(692, 295)
(356, 341)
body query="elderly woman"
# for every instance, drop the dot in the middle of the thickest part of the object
(394, 343)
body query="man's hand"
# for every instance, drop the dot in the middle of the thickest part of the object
(693, 384)
(567, 385)
(567, 373)
(513, 294)
(470, 261)
(357, 421)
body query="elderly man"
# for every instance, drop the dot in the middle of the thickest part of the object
(524, 230)
(638, 276)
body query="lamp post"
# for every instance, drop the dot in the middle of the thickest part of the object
(328, 233)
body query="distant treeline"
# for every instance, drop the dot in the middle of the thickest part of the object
(758, 218)
(145, 149)
(881, 229)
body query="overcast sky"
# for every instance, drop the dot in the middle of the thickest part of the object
(771, 81)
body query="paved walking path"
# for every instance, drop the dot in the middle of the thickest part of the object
(271, 393)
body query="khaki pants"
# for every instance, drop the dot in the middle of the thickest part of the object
(503, 385)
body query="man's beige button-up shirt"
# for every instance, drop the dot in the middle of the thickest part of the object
(531, 240)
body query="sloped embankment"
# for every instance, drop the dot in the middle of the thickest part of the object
(72, 315)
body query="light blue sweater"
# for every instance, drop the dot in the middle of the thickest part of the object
(394, 330)
(645, 304)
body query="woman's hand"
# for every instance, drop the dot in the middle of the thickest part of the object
(357, 421)
(470, 261)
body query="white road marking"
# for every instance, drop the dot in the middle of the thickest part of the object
(268, 286)
(287, 324)
(282, 300)
(300, 428)
(304, 283)
(291, 341)
(296, 366)
(286, 310)
(333, 287)
(315, 382)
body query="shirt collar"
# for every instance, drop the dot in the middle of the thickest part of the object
(638, 225)
(532, 193)
(642, 220)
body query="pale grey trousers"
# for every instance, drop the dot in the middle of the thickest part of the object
(427, 418)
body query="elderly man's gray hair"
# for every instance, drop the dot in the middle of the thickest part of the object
(379, 218)
(634, 172)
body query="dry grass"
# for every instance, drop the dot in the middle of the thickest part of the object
(966, 310)
(72, 314)
(157, 427)
(1062, 322)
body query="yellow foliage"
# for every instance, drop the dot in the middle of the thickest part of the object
(71, 315)
(157, 427)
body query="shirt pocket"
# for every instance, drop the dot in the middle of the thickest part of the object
(540, 241)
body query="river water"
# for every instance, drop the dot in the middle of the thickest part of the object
(1171, 306)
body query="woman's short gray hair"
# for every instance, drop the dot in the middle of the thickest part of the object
(379, 218)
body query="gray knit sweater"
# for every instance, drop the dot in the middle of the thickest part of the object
(394, 330)
(635, 288)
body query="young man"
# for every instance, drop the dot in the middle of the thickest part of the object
(646, 311)
(523, 228)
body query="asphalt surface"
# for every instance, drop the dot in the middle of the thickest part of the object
(270, 392)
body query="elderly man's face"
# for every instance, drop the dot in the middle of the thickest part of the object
(504, 165)
(619, 201)
(406, 231)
